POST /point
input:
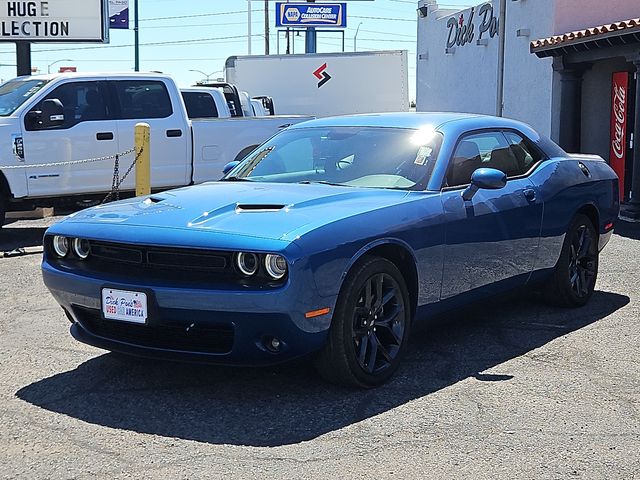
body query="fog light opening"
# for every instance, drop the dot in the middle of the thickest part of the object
(272, 344)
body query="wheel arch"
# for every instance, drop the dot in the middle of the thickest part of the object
(4, 185)
(401, 255)
(591, 211)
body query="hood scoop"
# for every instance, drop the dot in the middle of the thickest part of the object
(258, 207)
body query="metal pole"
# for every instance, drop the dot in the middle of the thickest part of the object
(288, 42)
(355, 37)
(136, 38)
(501, 42)
(249, 27)
(23, 58)
(142, 136)
(266, 27)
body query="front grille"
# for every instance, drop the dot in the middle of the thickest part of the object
(167, 335)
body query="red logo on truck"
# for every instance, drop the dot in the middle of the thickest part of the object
(321, 75)
(618, 151)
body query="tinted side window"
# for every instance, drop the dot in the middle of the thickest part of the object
(486, 149)
(143, 99)
(200, 105)
(526, 155)
(81, 101)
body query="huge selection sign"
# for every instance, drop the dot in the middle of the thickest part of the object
(54, 21)
(311, 15)
(619, 123)
(119, 14)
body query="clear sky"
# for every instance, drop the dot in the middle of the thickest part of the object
(177, 36)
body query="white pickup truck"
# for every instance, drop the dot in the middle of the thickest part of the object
(212, 102)
(68, 117)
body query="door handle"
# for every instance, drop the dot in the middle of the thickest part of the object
(174, 133)
(104, 136)
(530, 194)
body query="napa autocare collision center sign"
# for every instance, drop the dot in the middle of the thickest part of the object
(54, 21)
(311, 15)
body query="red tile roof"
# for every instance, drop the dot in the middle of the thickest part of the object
(588, 34)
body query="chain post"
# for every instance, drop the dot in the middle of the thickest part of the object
(143, 164)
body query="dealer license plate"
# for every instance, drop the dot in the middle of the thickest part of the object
(124, 305)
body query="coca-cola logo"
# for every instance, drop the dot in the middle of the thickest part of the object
(619, 109)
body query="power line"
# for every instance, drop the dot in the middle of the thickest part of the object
(384, 18)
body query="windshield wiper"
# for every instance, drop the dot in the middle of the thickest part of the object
(322, 182)
(235, 179)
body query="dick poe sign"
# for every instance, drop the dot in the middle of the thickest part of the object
(54, 21)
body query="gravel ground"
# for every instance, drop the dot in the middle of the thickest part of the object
(524, 391)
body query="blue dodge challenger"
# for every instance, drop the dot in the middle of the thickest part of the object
(331, 239)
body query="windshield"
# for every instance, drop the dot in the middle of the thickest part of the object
(374, 157)
(15, 92)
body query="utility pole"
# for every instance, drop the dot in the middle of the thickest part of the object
(266, 27)
(249, 27)
(136, 38)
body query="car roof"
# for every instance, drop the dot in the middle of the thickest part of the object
(412, 120)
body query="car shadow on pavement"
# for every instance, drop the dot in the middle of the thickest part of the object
(12, 238)
(291, 404)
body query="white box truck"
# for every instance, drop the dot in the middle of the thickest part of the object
(325, 84)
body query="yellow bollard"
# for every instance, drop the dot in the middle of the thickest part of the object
(143, 154)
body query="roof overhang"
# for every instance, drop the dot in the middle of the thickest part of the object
(623, 33)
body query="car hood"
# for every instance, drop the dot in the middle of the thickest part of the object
(266, 210)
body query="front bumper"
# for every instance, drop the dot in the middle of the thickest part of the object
(201, 325)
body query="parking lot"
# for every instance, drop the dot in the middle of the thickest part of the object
(511, 389)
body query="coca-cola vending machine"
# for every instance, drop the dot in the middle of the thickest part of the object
(620, 127)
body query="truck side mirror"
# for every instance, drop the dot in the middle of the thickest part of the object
(52, 113)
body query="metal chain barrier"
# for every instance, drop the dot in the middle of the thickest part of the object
(70, 162)
(117, 180)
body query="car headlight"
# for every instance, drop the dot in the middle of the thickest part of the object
(247, 263)
(275, 265)
(60, 245)
(81, 248)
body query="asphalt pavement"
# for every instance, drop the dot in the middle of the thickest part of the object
(508, 389)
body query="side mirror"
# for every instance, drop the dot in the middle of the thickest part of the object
(230, 166)
(52, 113)
(487, 178)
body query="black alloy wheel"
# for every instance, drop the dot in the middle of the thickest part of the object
(370, 327)
(583, 261)
(378, 323)
(574, 277)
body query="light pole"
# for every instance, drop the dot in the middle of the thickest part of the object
(355, 37)
(249, 27)
(57, 61)
(207, 76)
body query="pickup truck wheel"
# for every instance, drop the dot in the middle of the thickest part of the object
(3, 208)
(575, 274)
(370, 327)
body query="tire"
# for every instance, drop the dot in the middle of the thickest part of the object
(367, 337)
(3, 208)
(575, 274)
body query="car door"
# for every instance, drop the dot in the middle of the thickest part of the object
(149, 101)
(492, 239)
(88, 131)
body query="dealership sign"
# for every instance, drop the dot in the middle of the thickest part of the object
(54, 21)
(119, 14)
(619, 122)
(463, 31)
(311, 14)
